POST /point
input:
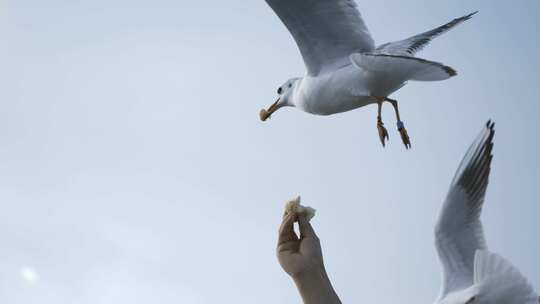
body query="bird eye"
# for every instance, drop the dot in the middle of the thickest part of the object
(279, 90)
(290, 85)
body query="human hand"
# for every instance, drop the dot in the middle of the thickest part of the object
(301, 257)
(298, 255)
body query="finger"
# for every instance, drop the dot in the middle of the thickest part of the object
(285, 213)
(287, 222)
(306, 230)
(286, 231)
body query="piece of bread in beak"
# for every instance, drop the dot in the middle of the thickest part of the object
(295, 206)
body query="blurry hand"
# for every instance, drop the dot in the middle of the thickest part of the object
(298, 255)
(301, 257)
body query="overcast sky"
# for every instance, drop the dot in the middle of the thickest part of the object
(134, 169)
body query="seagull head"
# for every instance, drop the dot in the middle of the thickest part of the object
(285, 98)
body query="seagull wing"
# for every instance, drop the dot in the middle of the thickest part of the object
(326, 31)
(458, 232)
(409, 46)
(501, 282)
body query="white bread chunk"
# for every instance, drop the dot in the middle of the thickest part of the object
(295, 206)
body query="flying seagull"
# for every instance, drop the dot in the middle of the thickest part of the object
(345, 70)
(471, 273)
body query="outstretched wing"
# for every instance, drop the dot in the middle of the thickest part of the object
(326, 31)
(458, 233)
(410, 46)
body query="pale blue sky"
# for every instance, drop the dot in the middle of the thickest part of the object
(134, 168)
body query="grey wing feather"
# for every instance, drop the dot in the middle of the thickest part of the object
(326, 31)
(459, 233)
(412, 45)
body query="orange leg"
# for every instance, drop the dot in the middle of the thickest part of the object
(383, 133)
(400, 125)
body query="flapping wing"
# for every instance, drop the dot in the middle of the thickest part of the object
(326, 31)
(458, 233)
(410, 46)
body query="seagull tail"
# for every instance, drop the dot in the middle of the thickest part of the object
(402, 68)
(500, 280)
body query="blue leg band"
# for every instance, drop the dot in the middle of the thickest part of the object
(400, 125)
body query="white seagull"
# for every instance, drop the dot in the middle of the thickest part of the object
(345, 70)
(472, 274)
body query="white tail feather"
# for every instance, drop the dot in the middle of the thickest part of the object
(500, 281)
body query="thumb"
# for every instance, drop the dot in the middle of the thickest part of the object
(306, 230)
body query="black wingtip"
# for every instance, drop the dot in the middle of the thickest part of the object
(490, 125)
(469, 16)
(466, 17)
(473, 171)
(450, 71)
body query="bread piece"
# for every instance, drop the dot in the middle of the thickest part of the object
(295, 206)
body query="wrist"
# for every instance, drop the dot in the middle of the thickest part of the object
(314, 271)
(315, 287)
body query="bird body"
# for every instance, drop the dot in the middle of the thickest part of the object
(332, 93)
(495, 280)
(344, 68)
(353, 86)
(471, 273)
